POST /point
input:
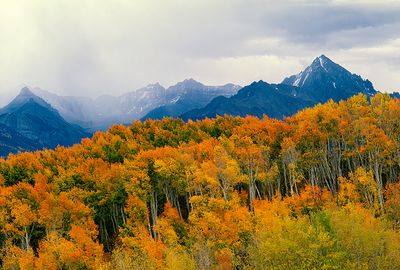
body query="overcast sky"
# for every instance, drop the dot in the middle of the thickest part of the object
(94, 47)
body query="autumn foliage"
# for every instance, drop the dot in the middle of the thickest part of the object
(319, 190)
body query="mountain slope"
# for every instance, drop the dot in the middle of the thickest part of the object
(36, 120)
(152, 101)
(259, 98)
(195, 91)
(395, 95)
(319, 82)
(189, 95)
(12, 142)
(73, 109)
(103, 111)
(172, 110)
(324, 80)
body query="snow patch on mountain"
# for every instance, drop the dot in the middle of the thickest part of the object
(321, 62)
(298, 79)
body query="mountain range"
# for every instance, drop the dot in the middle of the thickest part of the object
(38, 119)
(152, 101)
(319, 82)
(34, 122)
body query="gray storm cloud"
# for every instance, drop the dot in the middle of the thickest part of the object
(87, 47)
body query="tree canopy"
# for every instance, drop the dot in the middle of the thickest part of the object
(319, 190)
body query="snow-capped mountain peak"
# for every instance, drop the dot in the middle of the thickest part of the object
(325, 79)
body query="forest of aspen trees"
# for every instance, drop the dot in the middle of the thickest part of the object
(318, 190)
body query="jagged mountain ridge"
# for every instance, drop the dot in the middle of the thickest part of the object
(33, 118)
(324, 80)
(102, 112)
(319, 82)
(189, 95)
(258, 99)
(73, 109)
(36, 120)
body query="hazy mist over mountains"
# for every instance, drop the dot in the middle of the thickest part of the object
(46, 119)
(92, 48)
(103, 111)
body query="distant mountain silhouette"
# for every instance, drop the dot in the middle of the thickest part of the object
(152, 101)
(319, 82)
(44, 120)
(33, 118)
(257, 99)
(395, 95)
(188, 95)
(324, 80)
